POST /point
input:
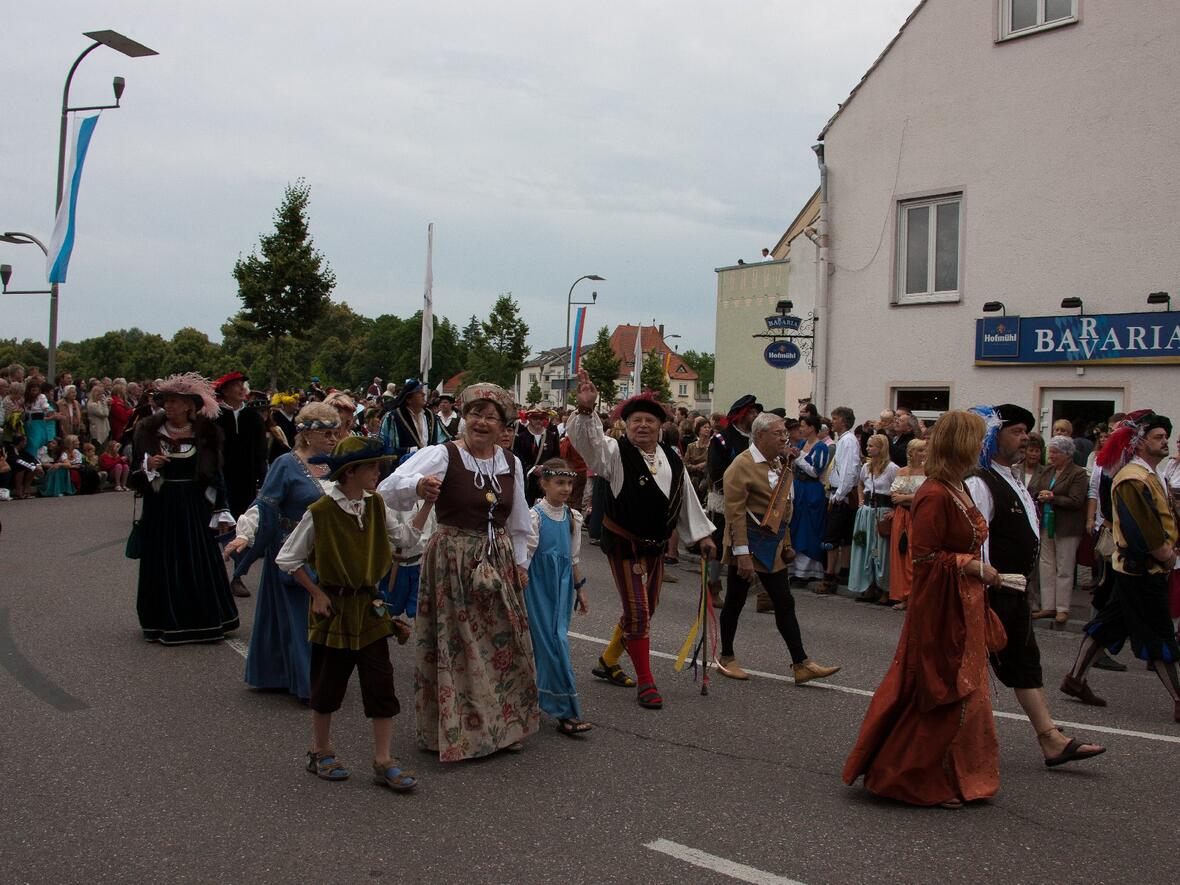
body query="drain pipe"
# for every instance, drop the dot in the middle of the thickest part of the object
(820, 344)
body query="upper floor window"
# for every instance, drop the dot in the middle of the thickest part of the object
(683, 390)
(928, 250)
(1020, 17)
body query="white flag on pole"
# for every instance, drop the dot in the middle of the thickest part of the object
(637, 381)
(428, 308)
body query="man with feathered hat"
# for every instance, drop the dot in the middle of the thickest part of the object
(1146, 537)
(646, 482)
(409, 426)
(1011, 548)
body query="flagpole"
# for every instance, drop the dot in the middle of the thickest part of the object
(426, 355)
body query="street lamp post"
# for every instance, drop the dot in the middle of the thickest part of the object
(20, 239)
(130, 48)
(569, 302)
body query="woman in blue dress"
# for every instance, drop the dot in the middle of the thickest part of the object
(554, 589)
(279, 657)
(810, 514)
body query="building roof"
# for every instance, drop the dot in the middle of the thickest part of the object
(807, 216)
(622, 342)
(554, 355)
(855, 89)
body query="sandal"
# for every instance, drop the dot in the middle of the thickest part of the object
(1073, 752)
(392, 775)
(649, 697)
(515, 747)
(613, 674)
(951, 804)
(573, 727)
(326, 766)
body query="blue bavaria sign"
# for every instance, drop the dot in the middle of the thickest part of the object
(1111, 338)
(782, 354)
(783, 322)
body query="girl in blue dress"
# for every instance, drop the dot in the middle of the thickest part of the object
(279, 657)
(554, 589)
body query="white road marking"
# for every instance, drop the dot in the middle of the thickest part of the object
(831, 686)
(237, 645)
(721, 865)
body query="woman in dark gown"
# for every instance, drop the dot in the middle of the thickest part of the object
(183, 594)
(929, 737)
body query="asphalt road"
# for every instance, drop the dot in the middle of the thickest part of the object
(128, 762)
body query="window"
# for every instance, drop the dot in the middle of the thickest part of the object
(928, 250)
(533, 377)
(683, 390)
(1020, 17)
(926, 403)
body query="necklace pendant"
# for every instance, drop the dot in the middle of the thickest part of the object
(643, 480)
(490, 498)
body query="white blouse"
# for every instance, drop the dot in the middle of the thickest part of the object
(400, 489)
(557, 514)
(880, 483)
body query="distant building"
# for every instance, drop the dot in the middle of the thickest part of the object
(682, 380)
(749, 293)
(549, 370)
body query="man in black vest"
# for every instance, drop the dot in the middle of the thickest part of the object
(1012, 548)
(243, 450)
(646, 500)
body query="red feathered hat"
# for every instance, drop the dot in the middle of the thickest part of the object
(1119, 447)
(226, 379)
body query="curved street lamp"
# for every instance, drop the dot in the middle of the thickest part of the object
(569, 302)
(20, 239)
(130, 48)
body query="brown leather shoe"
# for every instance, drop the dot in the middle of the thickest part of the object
(238, 588)
(809, 670)
(825, 588)
(729, 667)
(1080, 689)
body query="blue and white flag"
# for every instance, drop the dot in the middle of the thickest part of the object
(62, 243)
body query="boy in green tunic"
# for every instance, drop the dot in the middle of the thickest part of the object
(346, 537)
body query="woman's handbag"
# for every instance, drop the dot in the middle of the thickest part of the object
(885, 524)
(1104, 543)
(134, 548)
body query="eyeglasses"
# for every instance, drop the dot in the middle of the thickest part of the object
(483, 416)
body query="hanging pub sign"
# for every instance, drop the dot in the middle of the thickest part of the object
(783, 323)
(1110, 338)
(782, 355)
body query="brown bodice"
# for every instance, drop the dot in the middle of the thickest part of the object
(464, 506)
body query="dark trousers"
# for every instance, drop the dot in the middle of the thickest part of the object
(331, 668)
(777, 586)
(1018, 664)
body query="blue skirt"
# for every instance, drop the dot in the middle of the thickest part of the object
(280, 655)
(56, 484)
(870, 552)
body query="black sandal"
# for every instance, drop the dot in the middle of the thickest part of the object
(1073, 752)
(649, 697)
(573, 728)
(613, 674)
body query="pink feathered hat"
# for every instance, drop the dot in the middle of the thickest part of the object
(196, 387)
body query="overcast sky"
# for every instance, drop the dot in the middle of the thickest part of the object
(645, 142)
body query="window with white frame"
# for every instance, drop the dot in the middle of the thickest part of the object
(929, 248)
(683, 390)
(1020, 17)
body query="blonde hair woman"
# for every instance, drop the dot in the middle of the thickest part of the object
(929, 737)
(903, 490)
(868, 571)
(280, 655)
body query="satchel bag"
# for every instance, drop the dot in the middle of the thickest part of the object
(1104, 543)
(134, 547)
(885, 524)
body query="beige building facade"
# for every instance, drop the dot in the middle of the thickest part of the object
(999, 157)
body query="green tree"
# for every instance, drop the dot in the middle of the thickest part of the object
(192, 351)
(652, 375)
(500, 351)
(105, 355)
(602, 366)
(147, 354)
(286, 289)
(704, 364)
(534, 395)
(23, 353)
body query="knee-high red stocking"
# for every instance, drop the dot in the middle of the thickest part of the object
(639, 652)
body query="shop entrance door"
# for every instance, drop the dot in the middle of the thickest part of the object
(1087, 405)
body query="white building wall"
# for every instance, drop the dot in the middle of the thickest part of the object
(1065, 146)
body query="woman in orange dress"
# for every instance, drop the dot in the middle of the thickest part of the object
(903, 490)
(929, 737)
